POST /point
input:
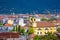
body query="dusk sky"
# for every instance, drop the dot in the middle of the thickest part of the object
(24, 6)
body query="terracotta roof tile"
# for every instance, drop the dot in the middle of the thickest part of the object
(48, 16)
(7, 25)
(44, 24)
(57, 21)
(40, 15)
(1, 17)
(12, 16)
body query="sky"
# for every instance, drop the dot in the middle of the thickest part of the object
(25, 6)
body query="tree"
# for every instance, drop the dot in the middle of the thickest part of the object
(16, 28)
(58, 30)
(51, 19)
(42, 38)
(22, 31)
(30, 30)
(36, 37)
(51, 36)
(1, 24)
(44, 19)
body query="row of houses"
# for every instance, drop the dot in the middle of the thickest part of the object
(40, 27)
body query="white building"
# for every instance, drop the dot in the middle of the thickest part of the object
(21, 22)
(10, 21)
(37, 18)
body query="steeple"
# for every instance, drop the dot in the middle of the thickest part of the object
(32, 21)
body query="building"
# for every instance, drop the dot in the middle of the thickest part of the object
(21, 22)
(56, 22)
(41, 16)
(41, 28)
(31, 37)
(10, 21)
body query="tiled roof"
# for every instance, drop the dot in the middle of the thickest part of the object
(31, 35)
(45, 24)
(1, 17)
(48, 16)
(9, 35)
(57, 21)
(7, 25)
(12, 16)
(23, 26)
(40, 15)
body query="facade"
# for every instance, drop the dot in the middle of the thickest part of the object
(41, 28)
(21, 22)
(57, 23)
(10, 21)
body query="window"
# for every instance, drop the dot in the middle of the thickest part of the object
(51, 28)
(37, 32)
(31, 23)
(46, 28)
(31, 19)
(39, 29)
(40, 32)
(34, 19)
(45, 32)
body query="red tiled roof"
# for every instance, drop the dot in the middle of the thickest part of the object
(22, 26)
(1, 17)
(48, 16)
(7, 25)
(57, 21)
(12, 16)
(40, 15)
(45, 24)
(31, 35)
(9, 35)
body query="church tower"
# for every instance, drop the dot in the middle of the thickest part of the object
(32, 20)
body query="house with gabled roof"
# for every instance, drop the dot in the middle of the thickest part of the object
(42, 27)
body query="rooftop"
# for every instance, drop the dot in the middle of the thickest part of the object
(45, 24)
